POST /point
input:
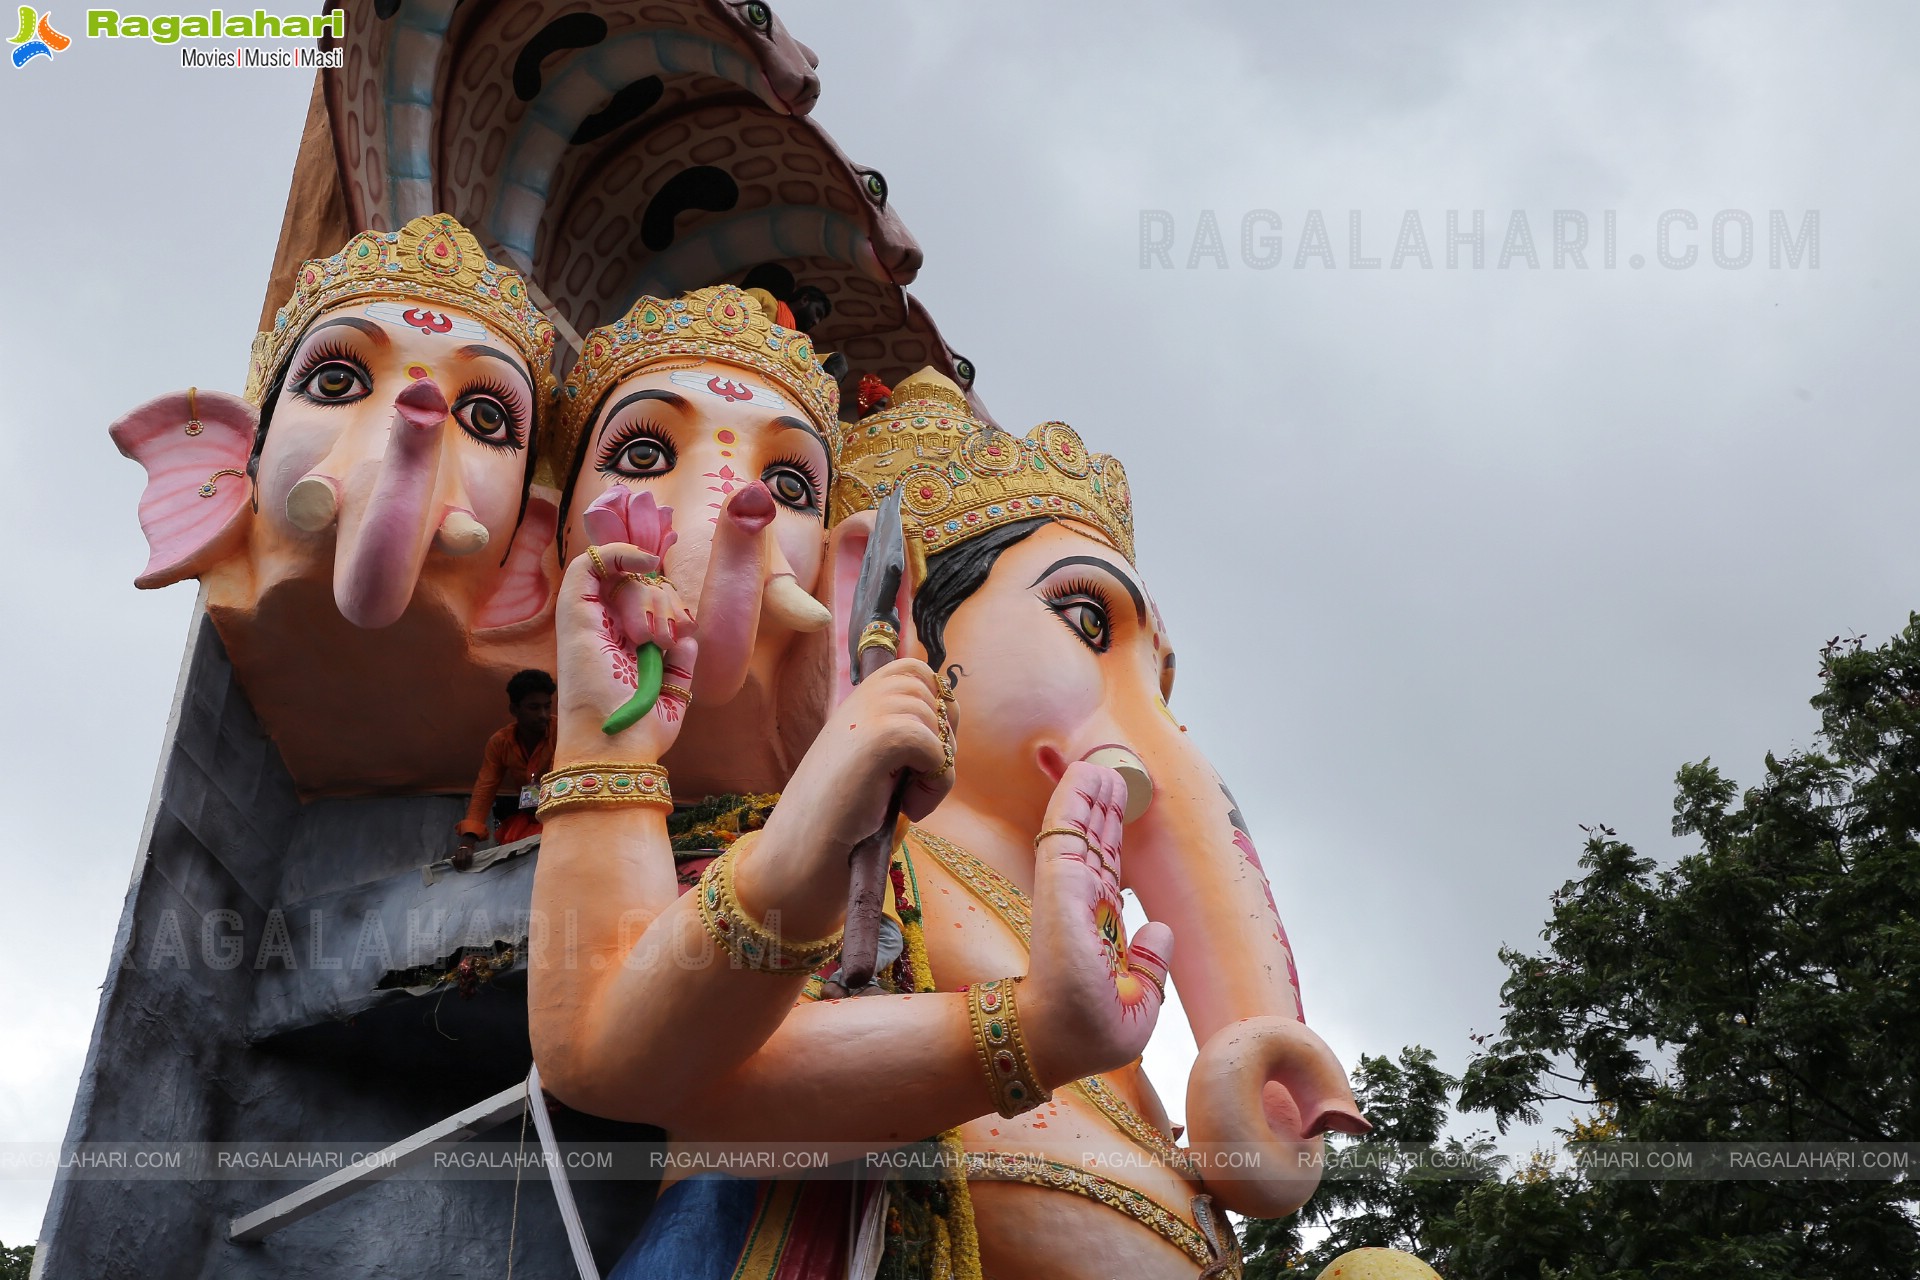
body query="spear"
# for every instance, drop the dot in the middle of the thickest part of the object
(875, 608)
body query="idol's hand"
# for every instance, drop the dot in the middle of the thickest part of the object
(610, 605)
(892, 722)
(1090, 998)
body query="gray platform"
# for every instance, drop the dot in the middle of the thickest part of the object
(190, 1048)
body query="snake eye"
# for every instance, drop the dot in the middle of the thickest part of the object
(876, 185)
(963, 369)
(760, 16)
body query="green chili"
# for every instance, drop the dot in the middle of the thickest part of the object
(649, 667)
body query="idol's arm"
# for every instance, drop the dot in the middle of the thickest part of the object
(633, 1006)
(728, 1061)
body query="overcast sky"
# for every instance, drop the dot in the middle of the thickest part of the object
(1455, 559)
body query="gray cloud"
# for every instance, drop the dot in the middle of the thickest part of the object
(1454, 559)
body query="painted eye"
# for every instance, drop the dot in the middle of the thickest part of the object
(1087, 619)
(335, 382)
(759, 16)
(643, 456)
(486, 420)
(876, 185)
(963, 369)
(791, 487)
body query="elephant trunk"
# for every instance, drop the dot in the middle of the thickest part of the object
(731, 597)
(1193, 865)
(384, 540)
(1241, 1118)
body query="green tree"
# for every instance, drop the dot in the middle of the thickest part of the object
(1765, 988)
(1760, 990)
(17, 1262)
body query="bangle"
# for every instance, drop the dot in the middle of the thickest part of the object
(596, 786)
(1003, 1051)
(751, 944)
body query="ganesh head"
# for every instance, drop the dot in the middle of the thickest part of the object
(723, 415)
(368, 497)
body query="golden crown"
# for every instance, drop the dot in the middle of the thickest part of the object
(432, 259)
(717, 323)
(961, 477)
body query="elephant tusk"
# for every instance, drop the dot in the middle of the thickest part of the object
(461, 535)
(313, 503)
(790, 605)
(1133, 771)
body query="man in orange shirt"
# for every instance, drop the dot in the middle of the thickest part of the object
(509, 776)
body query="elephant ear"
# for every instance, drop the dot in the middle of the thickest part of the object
(846, 549)
(196, 506)
(525, 587)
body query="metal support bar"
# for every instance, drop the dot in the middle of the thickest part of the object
(402, 1155)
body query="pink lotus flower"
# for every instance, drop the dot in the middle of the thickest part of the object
(624, 515)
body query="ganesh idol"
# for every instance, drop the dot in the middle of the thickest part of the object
(365, 511)
(1013, 1006)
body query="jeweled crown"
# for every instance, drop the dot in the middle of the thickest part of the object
(433, 259)
(961, 477)
(717, 323)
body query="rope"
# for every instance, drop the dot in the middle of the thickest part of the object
(513, 1225)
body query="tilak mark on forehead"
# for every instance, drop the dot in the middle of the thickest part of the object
(428, 322)
(732, 390)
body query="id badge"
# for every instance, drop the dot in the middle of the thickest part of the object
(530, 796)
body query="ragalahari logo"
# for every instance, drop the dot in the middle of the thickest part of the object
(37, 38)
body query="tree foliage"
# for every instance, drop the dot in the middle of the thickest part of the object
(1762, 989)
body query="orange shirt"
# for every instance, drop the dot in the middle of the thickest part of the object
(507, 767)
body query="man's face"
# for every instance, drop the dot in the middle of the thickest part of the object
(532, 712)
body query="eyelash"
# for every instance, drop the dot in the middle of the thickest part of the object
(516, 419)
(326, 354)
(616, 444)
(805, 468)
(1081, 591)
